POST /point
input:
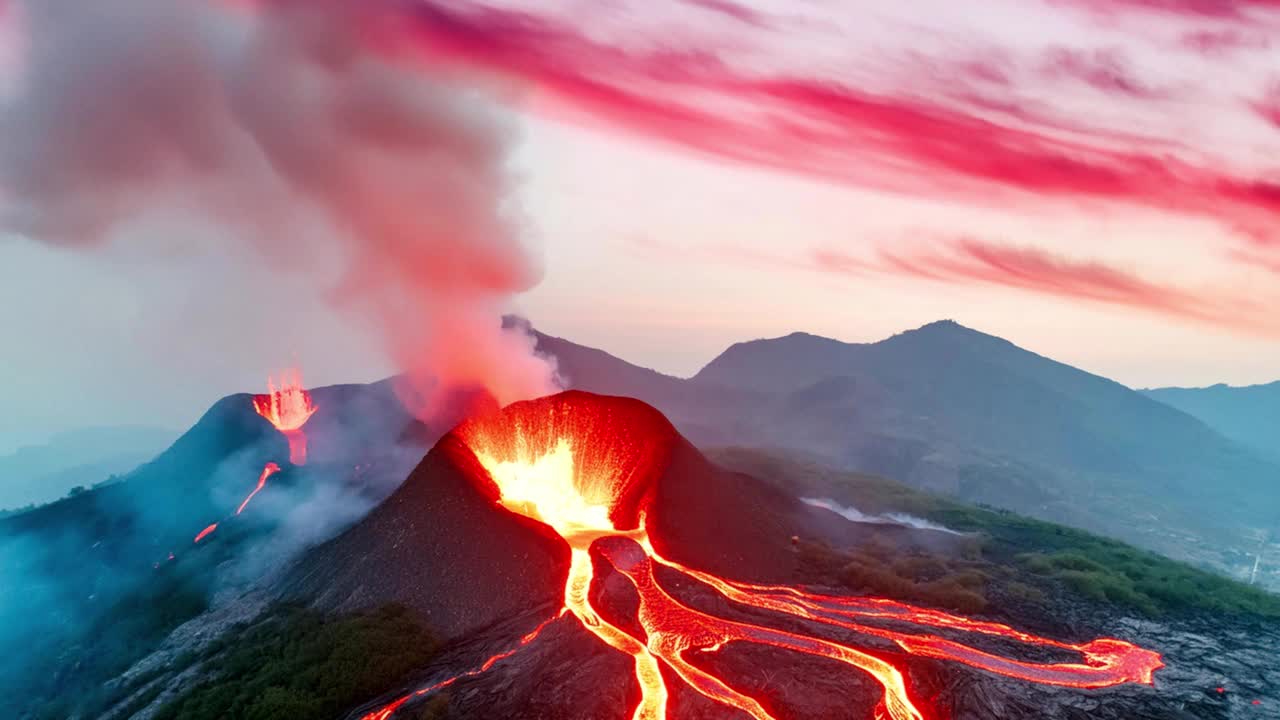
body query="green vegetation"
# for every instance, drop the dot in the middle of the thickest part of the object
(1010, 557)
(952, 583)
(298, 663)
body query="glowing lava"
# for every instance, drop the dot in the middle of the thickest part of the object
(267, 471)
(205, 532)
(586, 467)
(288, 407)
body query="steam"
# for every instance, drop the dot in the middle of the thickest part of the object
(853, 514)
(292, 127)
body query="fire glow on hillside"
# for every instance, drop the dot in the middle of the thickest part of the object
(288, 407)
(586, 467)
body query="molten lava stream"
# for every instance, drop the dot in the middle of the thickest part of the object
(288, 407)
(205, 533)
(602, 498)
(1108, 661)
(267, 471)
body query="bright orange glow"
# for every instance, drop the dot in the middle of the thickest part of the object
(288, 407)
(267, 471)
(585, 466)
(205, 532)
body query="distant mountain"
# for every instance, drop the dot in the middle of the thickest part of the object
(1249, 415)
(45, 472)
(954, 410)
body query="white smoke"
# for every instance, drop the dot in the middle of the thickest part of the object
(854, 514)
(291, 128)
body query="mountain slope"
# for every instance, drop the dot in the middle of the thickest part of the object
(483, 583)
(957, 411)
(96, 579)
(440, 546)
(1249, 415)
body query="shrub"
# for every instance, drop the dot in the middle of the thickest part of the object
(298, 663)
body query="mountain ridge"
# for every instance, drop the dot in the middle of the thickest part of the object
(954, 410)
(1248, 414)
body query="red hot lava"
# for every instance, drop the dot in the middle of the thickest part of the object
(586, 466)
(267, 471)
(205, 532)
(288, 407)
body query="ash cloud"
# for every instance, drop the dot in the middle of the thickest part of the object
(294, 128)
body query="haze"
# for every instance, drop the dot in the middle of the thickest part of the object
(664, 243)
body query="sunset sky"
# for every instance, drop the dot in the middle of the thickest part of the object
(1094, 180)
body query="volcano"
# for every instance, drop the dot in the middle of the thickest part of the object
(595, 512)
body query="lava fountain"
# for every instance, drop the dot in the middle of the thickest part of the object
(288, 407)
(586, 466)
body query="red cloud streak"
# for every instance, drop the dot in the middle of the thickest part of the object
(1219, 9)
(1268, 107)
(834, 131)
(967, 260)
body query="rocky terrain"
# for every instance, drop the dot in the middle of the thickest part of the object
(484, 578)
(567, 675)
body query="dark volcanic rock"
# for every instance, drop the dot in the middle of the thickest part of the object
(484, 577)
(440, 547)
(566, 674)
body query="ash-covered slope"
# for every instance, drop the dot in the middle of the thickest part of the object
(89, 581)
(488, 592)
(442, 545)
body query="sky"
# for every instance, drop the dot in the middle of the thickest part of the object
(1094, 180)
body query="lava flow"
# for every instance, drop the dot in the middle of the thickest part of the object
(587, 467)
(288, 407)
(204, 533)
(267, 471)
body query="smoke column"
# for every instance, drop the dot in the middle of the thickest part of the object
(292, 128)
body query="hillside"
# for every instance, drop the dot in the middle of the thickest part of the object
(959, 412)
(95, 580)
(496, 577)
(1249, 415)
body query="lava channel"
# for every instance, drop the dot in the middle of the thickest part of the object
(267, 471)
(585, 465)
(288, 407)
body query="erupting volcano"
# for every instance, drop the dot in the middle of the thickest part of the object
(587, 466)
(288, 407)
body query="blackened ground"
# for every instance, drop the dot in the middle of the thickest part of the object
(441, 547)
(567, 674)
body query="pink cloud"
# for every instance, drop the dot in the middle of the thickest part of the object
(1223, 41)
(966, 260)
(828, 129)
(1222, 9)
(1106, 70)
(732, 10)
(1268, 106)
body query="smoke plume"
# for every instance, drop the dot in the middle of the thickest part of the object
(292, 127)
